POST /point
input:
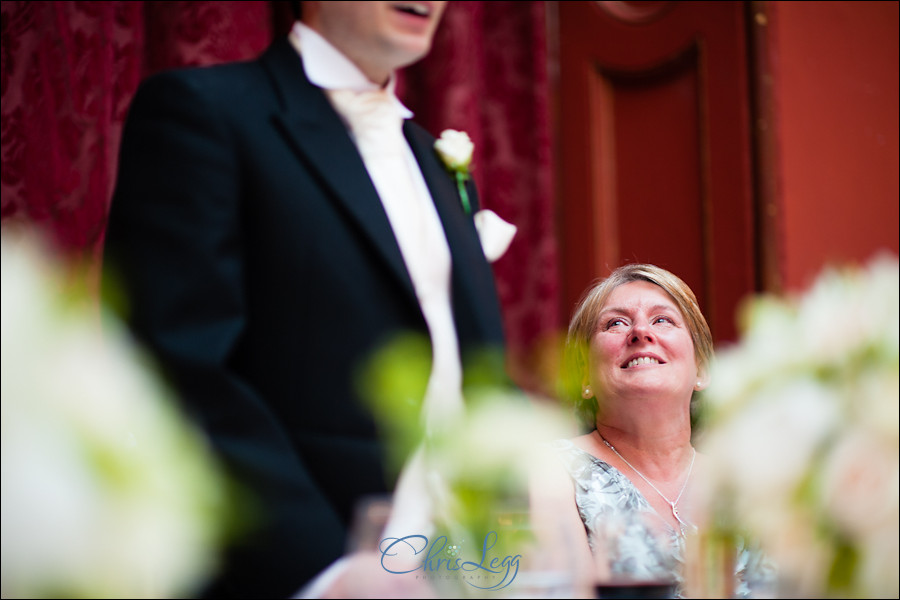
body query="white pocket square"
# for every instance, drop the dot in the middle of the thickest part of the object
(495, 233)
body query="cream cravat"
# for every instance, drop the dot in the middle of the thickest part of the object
(376, 124)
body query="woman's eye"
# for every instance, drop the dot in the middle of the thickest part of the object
(662, 320)
(614, 323)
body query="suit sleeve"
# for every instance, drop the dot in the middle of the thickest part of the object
(174, 249)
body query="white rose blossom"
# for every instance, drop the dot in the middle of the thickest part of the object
(455, 149)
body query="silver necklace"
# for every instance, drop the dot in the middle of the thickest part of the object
(673, 504)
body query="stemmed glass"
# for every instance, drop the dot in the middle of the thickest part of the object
(634, 556)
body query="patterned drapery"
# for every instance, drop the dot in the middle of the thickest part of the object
(69, 70)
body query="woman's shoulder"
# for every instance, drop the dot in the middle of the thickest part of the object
(566, 448)
(578, 445)
(560, 445)
(574, 454)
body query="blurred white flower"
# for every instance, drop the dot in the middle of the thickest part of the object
(498, 439)
(106, 491)
(485, 460)
(803, 428)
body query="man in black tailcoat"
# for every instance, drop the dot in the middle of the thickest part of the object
(262, 268)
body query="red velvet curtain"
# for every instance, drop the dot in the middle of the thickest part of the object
(69, 70)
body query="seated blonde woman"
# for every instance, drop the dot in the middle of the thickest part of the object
(638, 350)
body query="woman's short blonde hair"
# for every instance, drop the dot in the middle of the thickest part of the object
(584, 323)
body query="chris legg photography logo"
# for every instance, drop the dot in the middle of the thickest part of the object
(440, 559)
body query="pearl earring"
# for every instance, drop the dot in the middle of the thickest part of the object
(587, 392)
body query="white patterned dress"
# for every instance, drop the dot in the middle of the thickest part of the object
(621, 524)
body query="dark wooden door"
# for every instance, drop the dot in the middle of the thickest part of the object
(655, 149)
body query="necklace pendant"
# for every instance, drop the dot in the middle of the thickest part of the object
(678, 516)
(671, 503)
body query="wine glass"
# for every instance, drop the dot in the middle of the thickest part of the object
(545, 567)
(374, 569)
(370, 517)
(634, 554)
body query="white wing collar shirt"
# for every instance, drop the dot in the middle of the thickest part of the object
(374, 117)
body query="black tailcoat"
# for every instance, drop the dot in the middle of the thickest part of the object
(261, 270)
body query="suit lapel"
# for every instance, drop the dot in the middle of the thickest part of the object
(319, 136)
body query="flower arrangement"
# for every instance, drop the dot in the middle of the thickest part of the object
(107, 492)
(479, 461)
(486, 457)
(802, 429)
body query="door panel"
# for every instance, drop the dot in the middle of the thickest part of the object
(655, 147)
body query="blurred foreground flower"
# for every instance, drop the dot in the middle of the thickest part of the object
(106, 491)
(487, 457)
(803, 431)
(478, 463)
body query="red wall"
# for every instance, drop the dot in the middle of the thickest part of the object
(836, 96)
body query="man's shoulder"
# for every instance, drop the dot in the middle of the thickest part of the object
(227, 78)
(207, 77)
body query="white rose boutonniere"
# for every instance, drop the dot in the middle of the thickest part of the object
(455, 149)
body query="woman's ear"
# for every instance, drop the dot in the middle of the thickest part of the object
(702, 380)
(586, 391)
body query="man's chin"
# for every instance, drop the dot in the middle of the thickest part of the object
(410, 51)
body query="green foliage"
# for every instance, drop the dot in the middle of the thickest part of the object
(393, 382)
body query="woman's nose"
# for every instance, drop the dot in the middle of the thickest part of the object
(639, 332)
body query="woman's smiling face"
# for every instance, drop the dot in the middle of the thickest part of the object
(642, 346)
